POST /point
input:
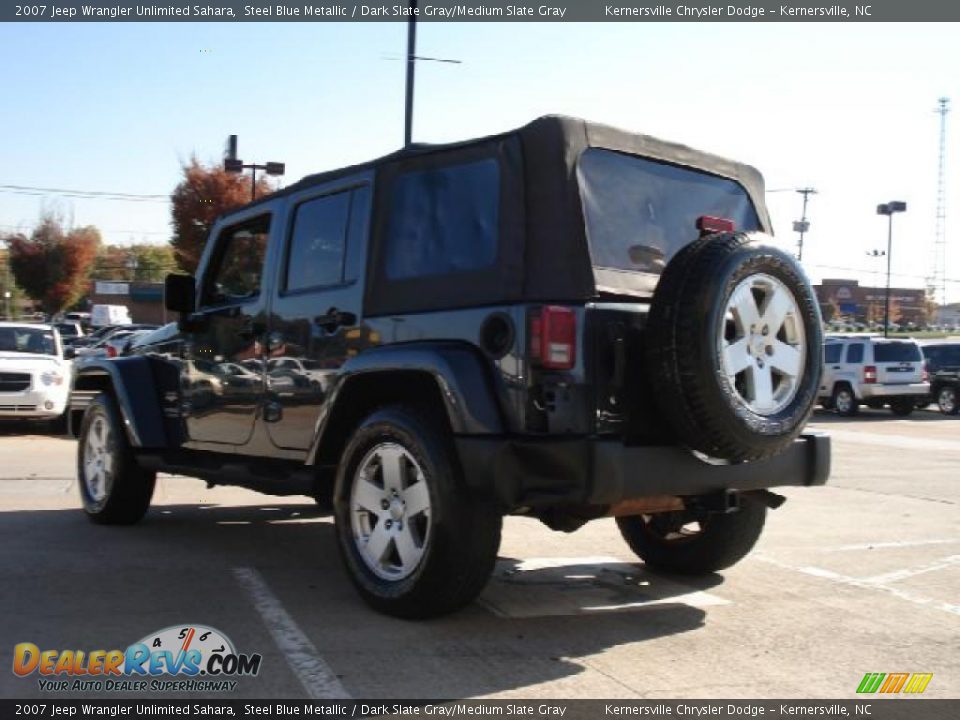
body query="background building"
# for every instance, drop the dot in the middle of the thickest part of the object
(848, 300)
(144, 300)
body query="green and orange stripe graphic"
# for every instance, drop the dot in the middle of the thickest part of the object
(911, 683)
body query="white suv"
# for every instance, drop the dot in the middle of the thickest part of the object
(873, 371)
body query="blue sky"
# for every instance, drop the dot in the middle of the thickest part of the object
(845, 108)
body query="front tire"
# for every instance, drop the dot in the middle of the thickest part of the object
(845, 402)
(680, 542)
(114, 489)
(415, 543)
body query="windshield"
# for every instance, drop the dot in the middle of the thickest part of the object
(640, 212)
(38, 341)
(896, 352)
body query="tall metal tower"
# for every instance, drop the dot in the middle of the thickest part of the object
(937, 284)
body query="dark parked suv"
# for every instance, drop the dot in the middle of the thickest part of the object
(565, 321)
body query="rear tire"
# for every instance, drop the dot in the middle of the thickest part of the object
(903, 408)
(114, 489)
(663, 542)
(947, 400)
(415, 542)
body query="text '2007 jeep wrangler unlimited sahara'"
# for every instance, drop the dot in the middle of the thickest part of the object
(565, 321)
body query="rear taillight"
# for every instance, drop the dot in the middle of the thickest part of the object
(553, 337)
(111, 351)
(710, 224)
(869, 374)
(925, 374)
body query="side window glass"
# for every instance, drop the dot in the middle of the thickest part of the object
(855, 353)
(832, 352)
(317, 242)
(237, 267)
(444, 220)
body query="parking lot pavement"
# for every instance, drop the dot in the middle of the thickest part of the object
(860, 576)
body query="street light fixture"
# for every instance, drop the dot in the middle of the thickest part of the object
(233, 164)
(889, 209)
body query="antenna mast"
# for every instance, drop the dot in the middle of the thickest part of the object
(937, 285)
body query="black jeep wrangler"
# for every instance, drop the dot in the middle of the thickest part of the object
(565, 321)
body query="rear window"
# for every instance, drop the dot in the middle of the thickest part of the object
(896, 352)
(640, 212)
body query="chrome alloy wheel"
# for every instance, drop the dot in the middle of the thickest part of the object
(390, 511)
(762, 344)
(947, 400)
(98, 459)
(844, 401)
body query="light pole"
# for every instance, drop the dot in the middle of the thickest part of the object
(6, 302)
(889, 209)
(878, 254)
(233, 164)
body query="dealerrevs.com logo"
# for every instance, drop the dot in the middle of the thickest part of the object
(178, 658)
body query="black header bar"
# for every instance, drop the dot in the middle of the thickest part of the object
(482, 11)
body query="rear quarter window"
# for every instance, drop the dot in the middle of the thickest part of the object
(896, 352)
(444, 220)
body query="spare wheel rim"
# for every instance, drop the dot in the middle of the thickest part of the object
(762, 344)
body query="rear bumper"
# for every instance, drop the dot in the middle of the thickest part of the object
(546, 472)
(881, 391)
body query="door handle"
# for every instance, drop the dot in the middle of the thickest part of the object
(334, 318)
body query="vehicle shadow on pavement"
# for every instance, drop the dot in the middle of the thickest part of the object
(70, 583)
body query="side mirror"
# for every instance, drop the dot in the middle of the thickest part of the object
(69, 352)
(179, 293)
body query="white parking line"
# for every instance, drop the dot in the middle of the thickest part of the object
(316, 676)
(887, 545)
(862, 583)
(911, 572)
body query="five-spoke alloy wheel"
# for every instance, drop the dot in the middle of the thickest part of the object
(114, 489)
(416, 541)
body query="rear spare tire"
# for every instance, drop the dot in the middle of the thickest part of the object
(734, 340)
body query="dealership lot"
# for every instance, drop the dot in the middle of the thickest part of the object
(860, 576)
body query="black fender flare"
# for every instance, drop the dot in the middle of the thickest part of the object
(134, 386)
(462, 374)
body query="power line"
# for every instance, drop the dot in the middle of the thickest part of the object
(23, 229)
(83, 194)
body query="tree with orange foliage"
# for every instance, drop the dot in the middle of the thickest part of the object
(53, 264)
(204, 194)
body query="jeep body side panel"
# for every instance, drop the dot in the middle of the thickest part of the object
(141, 386)
(462, 376)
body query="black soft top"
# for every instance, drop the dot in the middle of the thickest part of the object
(543, 253)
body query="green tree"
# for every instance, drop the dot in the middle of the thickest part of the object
(143, 262)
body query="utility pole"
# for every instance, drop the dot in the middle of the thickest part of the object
(411, 65)
(412, 59)
(801, 226)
